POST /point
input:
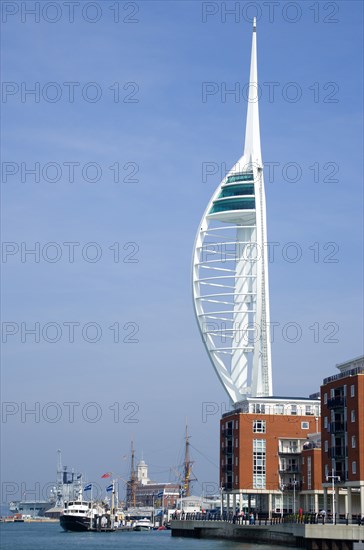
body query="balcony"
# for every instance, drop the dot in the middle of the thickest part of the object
(338, 452)
(227, 432)
(338, 427)
(228, 451)
(337, 402)
(289, 450)
(227, 468)
(289, 470)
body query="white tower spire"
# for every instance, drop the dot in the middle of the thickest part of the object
(252, 150)
(230, 268)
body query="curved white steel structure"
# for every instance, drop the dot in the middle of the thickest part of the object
(230, 269)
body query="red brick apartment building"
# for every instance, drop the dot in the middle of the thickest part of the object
(342, 429)
(261, 443)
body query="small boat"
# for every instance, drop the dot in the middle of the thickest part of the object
(143, 525)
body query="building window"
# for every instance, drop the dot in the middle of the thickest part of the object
(352, 390)
(325, 422)
(279, 409)
(236, 480)
(236, 443)
(332, 392)
(353, 467)
(353, 441)
(326, 471)
(258, 408)
(353, 416)
(236, 424)
(259, 463)
(259, 426)
(236, 461)
(325, 398)
(293, 409)
(326, 446)
(309, 409)
(305, 425)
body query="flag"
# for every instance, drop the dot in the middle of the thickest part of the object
(88, 487)
(109, 488)
(160, 494)
(108, 474)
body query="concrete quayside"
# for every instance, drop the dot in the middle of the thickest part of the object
(310, 536)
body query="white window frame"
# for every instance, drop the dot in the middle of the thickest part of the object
(305, 425)
(259, 427)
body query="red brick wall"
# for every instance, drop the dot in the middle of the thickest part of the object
(315, 455)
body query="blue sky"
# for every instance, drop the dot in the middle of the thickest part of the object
(165, 137)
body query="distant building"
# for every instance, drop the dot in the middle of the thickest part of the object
(152, 493)
(342, 427)
(261, 445)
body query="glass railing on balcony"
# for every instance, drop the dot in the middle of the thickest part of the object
(338, 452)
(289, 450)
(336, 402)
(228, 450)
(337, 427)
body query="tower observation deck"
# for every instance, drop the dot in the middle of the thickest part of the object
(230, 268)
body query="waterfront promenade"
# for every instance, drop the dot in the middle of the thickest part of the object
(310, 532)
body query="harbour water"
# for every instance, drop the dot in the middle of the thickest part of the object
(49, 536)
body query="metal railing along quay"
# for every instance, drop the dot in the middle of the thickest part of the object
(307, 519)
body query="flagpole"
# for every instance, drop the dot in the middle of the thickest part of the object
(91, 509)
(112, 501)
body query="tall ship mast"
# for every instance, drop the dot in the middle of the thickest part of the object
(187, 467)
(131, 484)
(230, 268)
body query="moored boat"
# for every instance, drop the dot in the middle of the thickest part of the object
(83, 515)
(143, 525)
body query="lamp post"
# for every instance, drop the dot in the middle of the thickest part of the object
(333, 477)
(294, 494)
